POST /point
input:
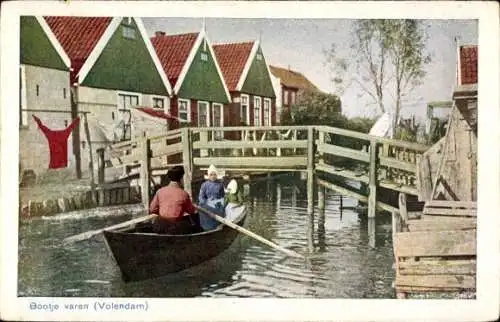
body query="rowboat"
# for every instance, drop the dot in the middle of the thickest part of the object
(141, 254)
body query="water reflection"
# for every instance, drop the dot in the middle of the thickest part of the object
(347, 259)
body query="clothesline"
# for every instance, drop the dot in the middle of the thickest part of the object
(52, 111)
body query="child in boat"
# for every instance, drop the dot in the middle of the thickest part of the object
(211, 197)
(233, 198)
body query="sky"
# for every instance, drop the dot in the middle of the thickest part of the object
(300, 44)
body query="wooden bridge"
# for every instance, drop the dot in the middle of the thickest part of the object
(321, 150)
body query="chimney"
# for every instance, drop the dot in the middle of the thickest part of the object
(159, 33)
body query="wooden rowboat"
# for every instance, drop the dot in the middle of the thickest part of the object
(141, 254)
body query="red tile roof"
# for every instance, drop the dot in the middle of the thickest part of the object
(468, 64)
(78, 36)
(292, 78)
(232, 59)
(173, 52)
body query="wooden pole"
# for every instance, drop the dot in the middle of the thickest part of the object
(91, 157)
(187, 159)
(76, 132)
(371, 232)
(310, 188)
(89, 234)
(101, 166)
(372, 198)
(249, 233)
(321, 140)
(145, 170)
(321, 197)
(310, 170)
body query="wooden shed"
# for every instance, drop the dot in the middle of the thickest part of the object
(436, 251)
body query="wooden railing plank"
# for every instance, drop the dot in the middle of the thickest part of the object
(435, 243)
(450, 212)
(397, 164)
(250, 144)
(399, 187)
(436, 225)
(362, 177)
(436, 282)
(451, 204)
(438, 267)
(344, 152)
(167, 150)
(263, 162)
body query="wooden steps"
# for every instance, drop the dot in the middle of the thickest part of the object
(436, 253)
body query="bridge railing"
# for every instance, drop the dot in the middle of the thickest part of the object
(243, 146)
(129, 155)
(377, 161)
(371, 160)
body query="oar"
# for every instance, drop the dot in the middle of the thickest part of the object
(249, 233)
(91, 233)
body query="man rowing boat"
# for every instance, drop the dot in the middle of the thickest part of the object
(171, 203)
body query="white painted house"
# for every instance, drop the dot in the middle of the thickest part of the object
(44, 92)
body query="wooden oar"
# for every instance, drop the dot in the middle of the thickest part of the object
(91, 233)
(249, 233)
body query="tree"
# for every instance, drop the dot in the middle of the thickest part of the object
(387, 56)
(315, 108)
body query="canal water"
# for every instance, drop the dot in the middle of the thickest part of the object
(345, 258)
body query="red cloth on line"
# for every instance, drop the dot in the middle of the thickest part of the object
(58, 143)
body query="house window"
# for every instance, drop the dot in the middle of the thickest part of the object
(64, 92)
(218, 119)
(126, 101)
(244, 110)
(259, 56)
(203, 115)
(23, 115)
(183, 112)
(37, 90)
(204, 56)
(267, 112)
(292, 99)
(128, 32)
(257, 116)
(285, 97)
(158, 103)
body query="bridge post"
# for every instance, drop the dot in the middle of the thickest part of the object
(101, 166)
(310, 170)
(321, 197)
(145, 174)
(310, 188)
(321, 140)
(372, 185)
(187, 159)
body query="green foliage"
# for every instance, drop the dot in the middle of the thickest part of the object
(316, 108)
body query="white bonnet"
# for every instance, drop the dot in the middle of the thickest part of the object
(211, 169)
(232, 187)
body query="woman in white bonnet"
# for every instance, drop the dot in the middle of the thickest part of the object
(211, 197)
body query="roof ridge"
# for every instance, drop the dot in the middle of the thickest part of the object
(235, 43)
(175, 35)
